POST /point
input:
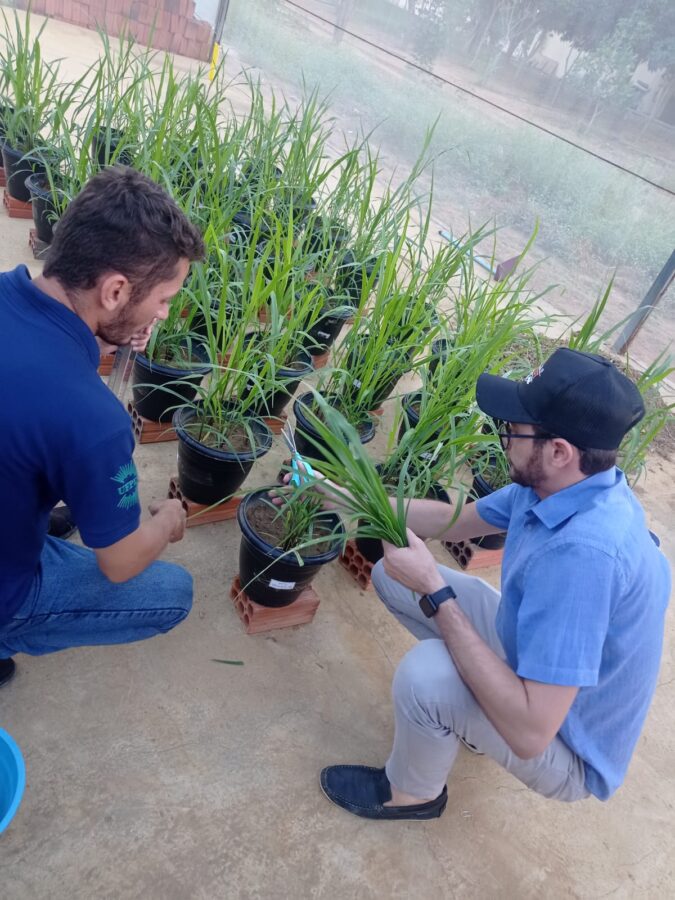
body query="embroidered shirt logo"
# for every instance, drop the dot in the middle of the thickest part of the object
(534, 374)
(127, 490)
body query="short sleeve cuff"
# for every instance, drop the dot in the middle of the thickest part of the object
(496, 508)
(97, 540)
(557, 675)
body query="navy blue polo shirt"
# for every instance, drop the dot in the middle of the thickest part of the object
(64, 436)
(584, 594)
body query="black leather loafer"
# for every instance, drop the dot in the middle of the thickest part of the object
(7, 670)
(363, 791)
(61, 523)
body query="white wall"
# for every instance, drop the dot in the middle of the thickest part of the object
(207, 10)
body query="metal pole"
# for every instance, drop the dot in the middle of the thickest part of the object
(219, 26)
(652, 298)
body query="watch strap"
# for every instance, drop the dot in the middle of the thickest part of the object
(429, 603)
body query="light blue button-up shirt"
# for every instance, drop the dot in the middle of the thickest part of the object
(584, 593)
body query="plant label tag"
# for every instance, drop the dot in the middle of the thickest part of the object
(281, 585)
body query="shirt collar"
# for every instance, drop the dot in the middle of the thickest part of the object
(58, 312)
(562, 505)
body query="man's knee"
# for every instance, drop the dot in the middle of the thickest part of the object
(176, 587)
(427, 677)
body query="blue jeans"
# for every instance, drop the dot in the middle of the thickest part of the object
(72, 604)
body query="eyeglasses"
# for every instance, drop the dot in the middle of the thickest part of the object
(505, 436)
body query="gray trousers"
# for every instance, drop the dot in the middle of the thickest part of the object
(434, 708)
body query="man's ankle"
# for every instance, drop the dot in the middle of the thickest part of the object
(400, 798)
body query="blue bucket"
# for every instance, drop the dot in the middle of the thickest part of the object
(12, 778)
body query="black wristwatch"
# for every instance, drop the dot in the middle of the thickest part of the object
(429, 603)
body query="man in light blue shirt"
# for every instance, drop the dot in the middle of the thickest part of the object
(552, 679)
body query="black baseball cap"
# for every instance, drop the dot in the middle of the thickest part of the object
(578, 396)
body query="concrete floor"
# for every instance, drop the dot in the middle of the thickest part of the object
(153, 772)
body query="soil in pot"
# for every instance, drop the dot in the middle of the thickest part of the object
(158, 387)
(44, 210)
(17, 170)
(304, 430)
(269, 575)
(211, 466)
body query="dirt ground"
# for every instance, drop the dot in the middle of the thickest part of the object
(153, 772)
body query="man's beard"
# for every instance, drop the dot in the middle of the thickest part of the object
(532, 474)
(120, 331)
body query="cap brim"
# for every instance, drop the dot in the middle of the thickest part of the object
(500, 398)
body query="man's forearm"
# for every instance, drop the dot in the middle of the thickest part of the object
(134, 553)
(432, 518)
(501, 694)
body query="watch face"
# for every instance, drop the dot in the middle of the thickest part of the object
(427, 606)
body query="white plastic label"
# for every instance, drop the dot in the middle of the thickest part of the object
(281, 585)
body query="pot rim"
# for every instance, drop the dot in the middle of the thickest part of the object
(277, 553)
(303, 423)
(145, 363)
(184, 414)
(34, 188)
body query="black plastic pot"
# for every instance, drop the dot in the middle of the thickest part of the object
(440, 350)
(276, 402)
(387, 386)
(273, 577)
(319, 239)
(207, 475)
(103, 156)
(301, 210)
(240, 233)
(323, 334)
(351, 274)
(43, 207)
(372, 549)
(252, 172)
(17, 169)
(157, 388)
(304, 429)
(410, 415)
(482, 488)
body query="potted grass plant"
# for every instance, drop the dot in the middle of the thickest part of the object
(366, 507)
(176, 360)
(429, 457)
(284, 545)
(45, 211)
(219, 440)
(30, 86)
(220, 432)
